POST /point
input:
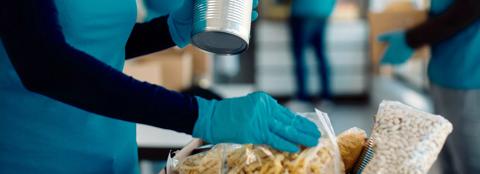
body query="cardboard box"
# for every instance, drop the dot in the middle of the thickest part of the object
(202, 66)
(398, 16)
(171, 69)
(275, 9)
(145, 71)
(202, 62)
(177, 72)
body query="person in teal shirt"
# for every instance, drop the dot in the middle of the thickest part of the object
(66, 107)
(453, 32)
(307, 27)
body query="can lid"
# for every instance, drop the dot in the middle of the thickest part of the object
(219, 42)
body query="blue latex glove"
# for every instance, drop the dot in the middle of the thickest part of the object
(180, 22)
(257, 119)
(398, 51)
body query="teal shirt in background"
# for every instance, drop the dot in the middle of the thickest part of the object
(44, 136)
(455, 62)
(312, 8)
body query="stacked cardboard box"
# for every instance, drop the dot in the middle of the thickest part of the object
(174, 68)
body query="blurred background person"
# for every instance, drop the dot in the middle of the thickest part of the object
(307, 27)
(453, 32)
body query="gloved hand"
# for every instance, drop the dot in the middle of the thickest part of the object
(398, 51)
(180, 22)
(257, 119)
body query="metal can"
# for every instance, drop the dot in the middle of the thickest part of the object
(222, 26)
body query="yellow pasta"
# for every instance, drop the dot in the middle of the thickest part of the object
(254, 159)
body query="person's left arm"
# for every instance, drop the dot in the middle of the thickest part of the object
(149, 37)
(461, 14)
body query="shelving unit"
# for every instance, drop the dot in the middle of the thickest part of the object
(346, 49)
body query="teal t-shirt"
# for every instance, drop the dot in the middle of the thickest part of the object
(455, 62)
(312, 8)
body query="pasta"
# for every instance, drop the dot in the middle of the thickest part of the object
(204, 163)
(351, 143)
(256, 159)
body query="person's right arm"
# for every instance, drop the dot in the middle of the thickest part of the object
(48, 65)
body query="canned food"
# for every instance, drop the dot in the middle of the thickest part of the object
(222, 26)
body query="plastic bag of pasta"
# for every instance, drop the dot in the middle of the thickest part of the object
(321, 159)
(325, 157)
(259, 159)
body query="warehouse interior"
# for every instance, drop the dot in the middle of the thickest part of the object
(358, 82)
(240, 86)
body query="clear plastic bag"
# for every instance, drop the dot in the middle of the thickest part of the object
(233, 158)
(403, 140)
(325, 157)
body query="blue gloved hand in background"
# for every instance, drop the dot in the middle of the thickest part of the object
(257, 119)
(398, 51)
(180, 22)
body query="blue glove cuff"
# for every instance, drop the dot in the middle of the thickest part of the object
(180, 32)
(202, 128)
